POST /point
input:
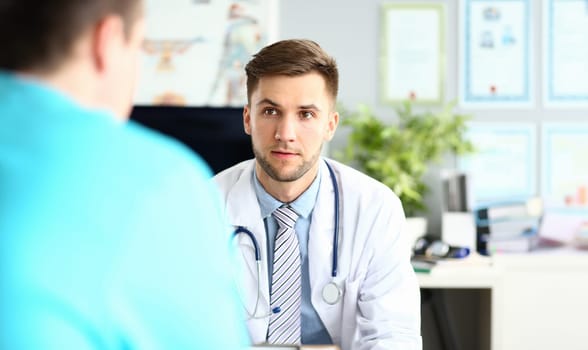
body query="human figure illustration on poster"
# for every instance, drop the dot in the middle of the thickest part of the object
(243, 38)
(195, 51)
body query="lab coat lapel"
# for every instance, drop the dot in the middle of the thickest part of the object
(320, 248)
(243, 210)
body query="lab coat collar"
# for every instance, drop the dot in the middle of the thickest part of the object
(303, 205)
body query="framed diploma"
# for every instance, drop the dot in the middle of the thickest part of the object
(495, 53)
(504, 166)
(412, 52)
(564, 167)
(195, 51)
(565, 45)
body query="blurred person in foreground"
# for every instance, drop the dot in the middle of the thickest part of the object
(109, 233)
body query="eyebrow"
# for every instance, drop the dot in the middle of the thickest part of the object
(310, 106)
(275, 104)
(267, 101)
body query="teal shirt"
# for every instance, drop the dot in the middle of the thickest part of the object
(111, 236)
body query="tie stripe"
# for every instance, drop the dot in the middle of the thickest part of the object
(284, 326)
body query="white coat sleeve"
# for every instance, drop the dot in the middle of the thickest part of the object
(389, 296)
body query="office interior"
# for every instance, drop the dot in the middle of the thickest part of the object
(516, 301)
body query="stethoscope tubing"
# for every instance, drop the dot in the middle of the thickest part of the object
(241, 229)
(335, 292)
(336, 231)
(335, 262)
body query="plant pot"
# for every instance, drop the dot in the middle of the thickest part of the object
(415, 228)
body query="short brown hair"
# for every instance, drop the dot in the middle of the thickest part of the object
(292, 57)
(40, 34)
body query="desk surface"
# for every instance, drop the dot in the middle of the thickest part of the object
(474, 271)
(459, 277)
(485, 272)
(545, 259)
(555, 279)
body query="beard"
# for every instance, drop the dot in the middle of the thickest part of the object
(277, 175)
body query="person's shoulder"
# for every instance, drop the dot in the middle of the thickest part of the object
(159, 152)
(230, 175)
(167, 177)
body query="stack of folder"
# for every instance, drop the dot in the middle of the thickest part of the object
(508, 227)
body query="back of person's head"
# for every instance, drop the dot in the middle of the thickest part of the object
(292, 57)
(39, 35)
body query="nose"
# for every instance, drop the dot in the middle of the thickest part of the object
(286, 129)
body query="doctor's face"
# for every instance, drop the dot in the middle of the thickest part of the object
(289, 119)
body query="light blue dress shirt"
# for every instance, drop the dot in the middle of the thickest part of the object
(313, 329)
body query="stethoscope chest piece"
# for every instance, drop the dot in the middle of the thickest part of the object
(332, 293)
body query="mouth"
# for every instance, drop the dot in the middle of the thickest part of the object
(284, 154)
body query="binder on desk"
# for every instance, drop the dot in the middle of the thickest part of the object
(507, 226)
(519, 244)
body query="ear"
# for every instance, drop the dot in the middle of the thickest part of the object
(247, 119)
(107, 38)
(332, 125)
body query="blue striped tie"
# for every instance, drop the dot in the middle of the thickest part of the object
(284, 326)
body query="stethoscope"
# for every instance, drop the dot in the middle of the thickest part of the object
(331, 292)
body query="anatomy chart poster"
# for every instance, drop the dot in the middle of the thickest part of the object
(195, 51)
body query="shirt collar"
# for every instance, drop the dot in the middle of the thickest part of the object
(303, 205)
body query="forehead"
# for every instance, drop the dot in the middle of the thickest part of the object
(307, 88)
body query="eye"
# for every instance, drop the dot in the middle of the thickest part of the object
(270, 111)
(307, 115)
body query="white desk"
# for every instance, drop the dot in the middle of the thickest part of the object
(544, 300)
(537, 300)
(467, 276)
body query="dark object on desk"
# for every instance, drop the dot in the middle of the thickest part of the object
(456, 192)
(428, 251)
(216, 134)
(434, 248)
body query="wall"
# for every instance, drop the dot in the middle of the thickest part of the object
(349, 30)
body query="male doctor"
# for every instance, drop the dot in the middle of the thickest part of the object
(334, 264)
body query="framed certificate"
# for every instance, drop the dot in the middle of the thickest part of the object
(564, 166)
(413, 52)
(565, 45)
(495, 53)
(194, 52)
(504, 166)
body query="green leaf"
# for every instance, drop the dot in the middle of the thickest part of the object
(398, 154)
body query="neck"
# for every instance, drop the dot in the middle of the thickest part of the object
(286, 191)
(76, 78)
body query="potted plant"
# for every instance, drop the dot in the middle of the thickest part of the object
(398, 154)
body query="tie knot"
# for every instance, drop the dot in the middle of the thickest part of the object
(286, 217)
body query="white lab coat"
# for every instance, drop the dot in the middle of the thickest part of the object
(380, 307)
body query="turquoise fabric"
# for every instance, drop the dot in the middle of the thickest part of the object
(110, 235)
